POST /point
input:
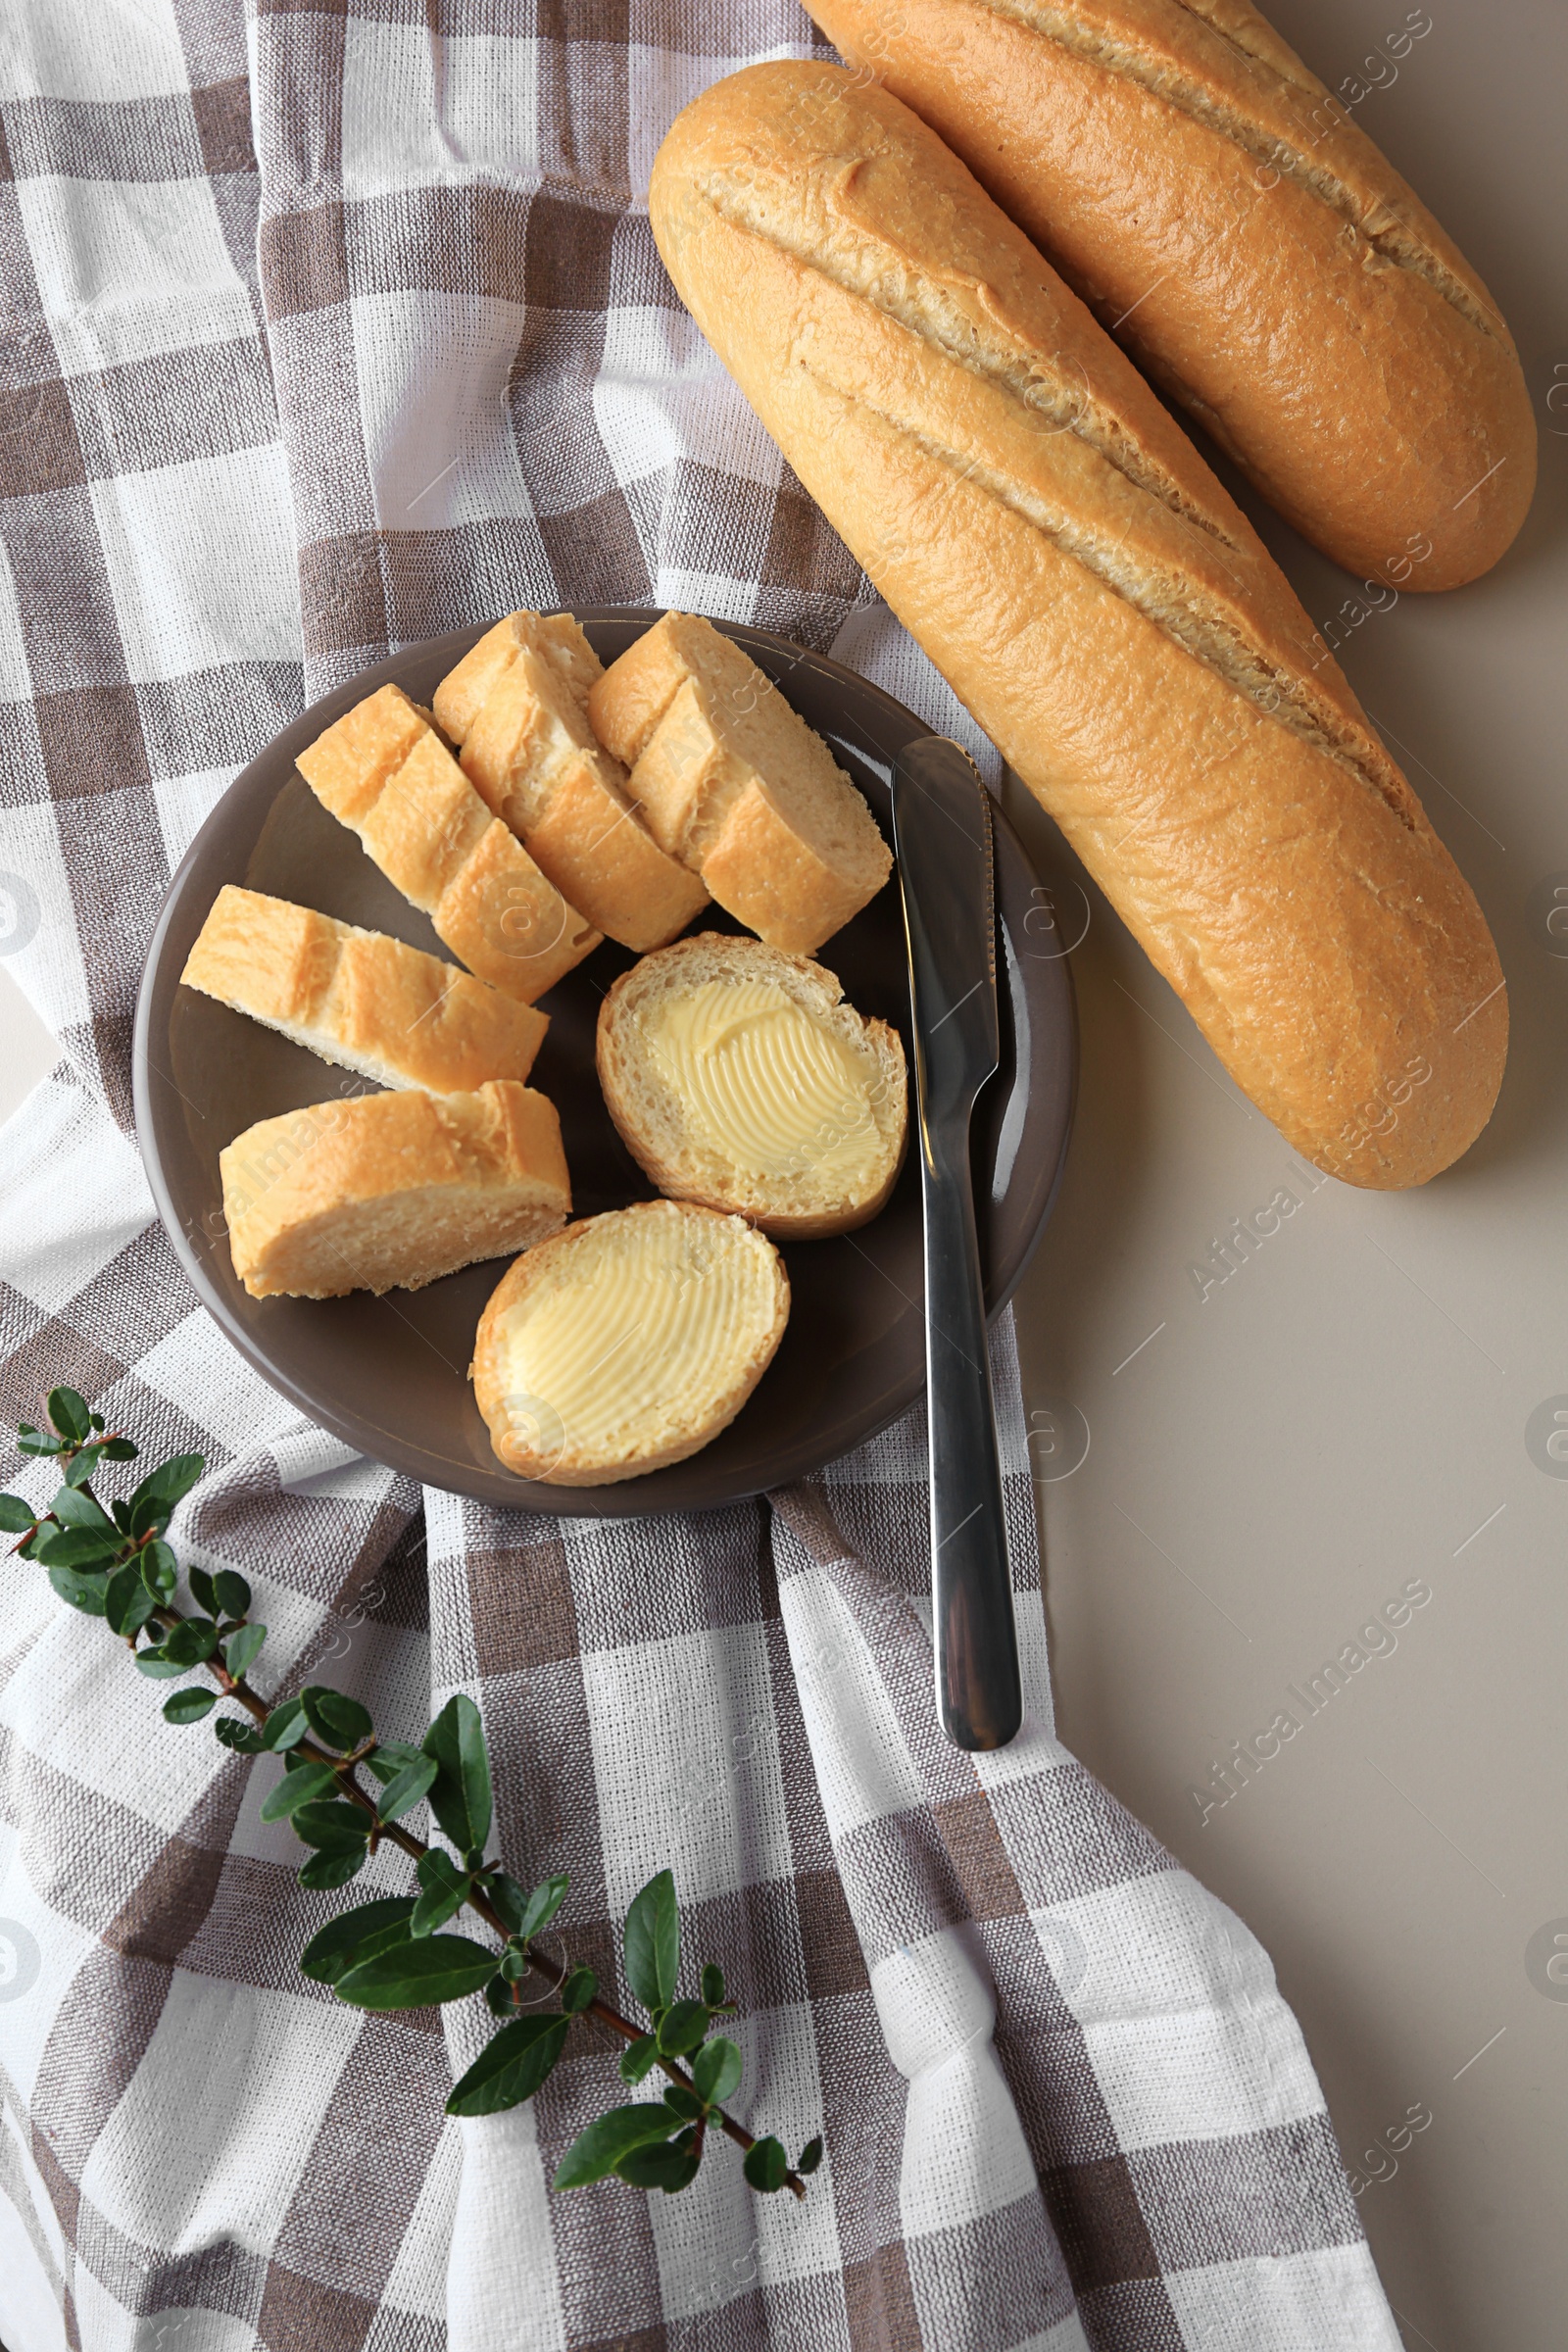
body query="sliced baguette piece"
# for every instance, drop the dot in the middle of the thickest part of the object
(553, 635)
(358, 999)
(383, 772)
(536, 762)
(627, 1342)
(390, 1192)
(738, 1077)
(733, 782)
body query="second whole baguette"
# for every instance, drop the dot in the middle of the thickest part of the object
(1100, 605)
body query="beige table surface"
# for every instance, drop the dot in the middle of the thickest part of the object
(1351, 1411)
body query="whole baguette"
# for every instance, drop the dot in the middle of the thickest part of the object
(1237, 231)
(1097, 601)
(358, 999)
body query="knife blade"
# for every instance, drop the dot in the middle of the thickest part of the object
(942, 837)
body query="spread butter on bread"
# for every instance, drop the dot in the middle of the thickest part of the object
(516, 705)
(390, 1192)
(383, 772)
(358, 999)
(627, 1342)
(738, 1077)
(1098, 602)
(733, 782)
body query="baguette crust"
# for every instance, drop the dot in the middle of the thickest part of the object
(383, 772)
(1098, 603)
(1264, 261)
(358, 999)
(518, 704)
(643, 1094)
(391, 1191)
(693, 1305)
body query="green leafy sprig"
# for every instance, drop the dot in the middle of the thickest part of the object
(114, 1561)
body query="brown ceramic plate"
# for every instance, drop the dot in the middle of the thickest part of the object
(390, 1375)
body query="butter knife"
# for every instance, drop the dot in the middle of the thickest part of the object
(942, 837)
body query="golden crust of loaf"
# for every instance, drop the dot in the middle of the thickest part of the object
(1098, 603)
(688, 1346)
(653, 1118)
(391, 1191)
(358, 999)
(383, 772)
(517, 704)
(734, 782)
(1251, 246)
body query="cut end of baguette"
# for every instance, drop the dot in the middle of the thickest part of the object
(738, 1078)
(627, 1342)
(733, 782)
(391, 1191)
(358, 998)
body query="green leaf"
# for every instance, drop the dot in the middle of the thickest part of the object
(510, 2067)
(671, 2169)
(406, 1788)
(653, 1942)
(335, 1868)
(681, 2028)
(637, 2058)
(15, 1516)
(498, 1997)
(69, 1415)
(118, 1449)
(200, 1585)
(78, 1546)
(717, 2071)
(193, 1640)
(161, 1572)
(152, 1661)
(301, 1786)
(444, 1889)
(766, 2165)
(86, 1592)
(81, 1466)
(237, 1733)
(73, 1509)
(440, 1968)
(33, 1441)
(534, 1912)
(684, 2103)
(515, 1962)
(170, 1481)
(714, 1986)
(599, 2150)
(128, 1603)
(356, 1935)
(242, 1650)
(334, 1826)
(232, 1593)
(580, 1988)
(337, 1721)
(189, 1706)
(810, 2156)
(285, 1727)
(389, 1757)
(460, 1795)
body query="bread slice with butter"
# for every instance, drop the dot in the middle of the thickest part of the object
(390, 1192)
(358, 999)
(517, 703)
(627, 1342)
(738, 1077)
(384, 772)
(734, 783)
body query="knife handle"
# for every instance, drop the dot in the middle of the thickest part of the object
(978, 1691)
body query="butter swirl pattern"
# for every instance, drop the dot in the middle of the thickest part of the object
(765, 1084)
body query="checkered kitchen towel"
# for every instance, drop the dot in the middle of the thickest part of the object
(1063, 2103)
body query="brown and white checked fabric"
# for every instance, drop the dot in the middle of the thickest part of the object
(1065, 2106)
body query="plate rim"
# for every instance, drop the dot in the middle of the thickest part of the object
(396, 1453)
